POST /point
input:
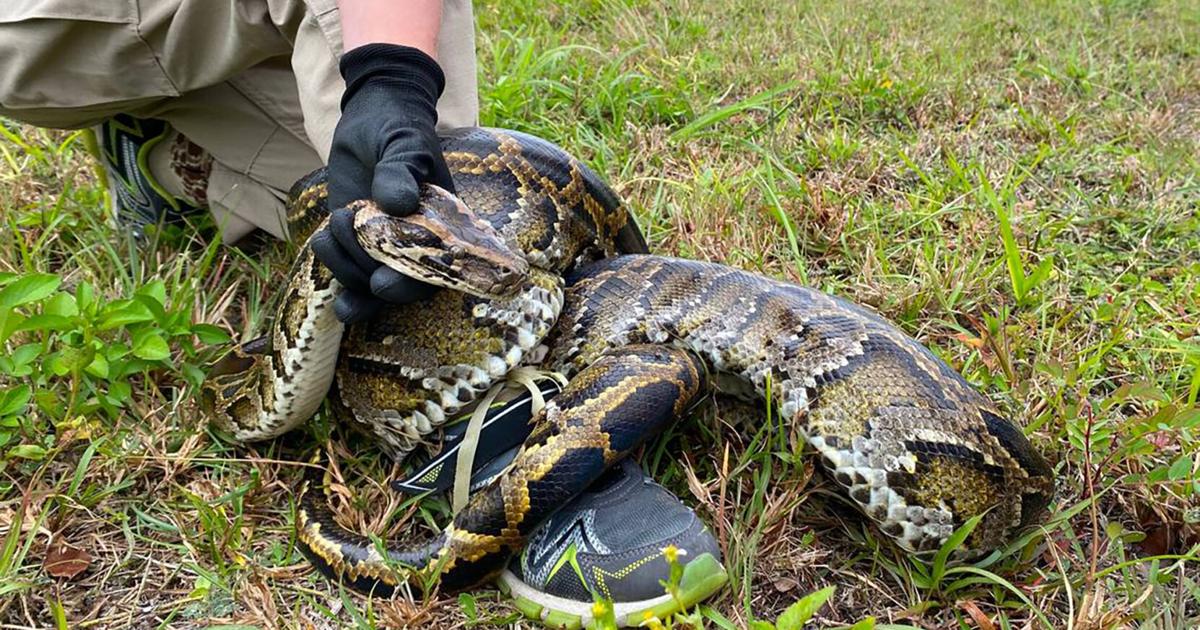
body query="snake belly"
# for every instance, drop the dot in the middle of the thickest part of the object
(904, 436)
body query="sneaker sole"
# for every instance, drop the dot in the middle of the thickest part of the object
(702, 577)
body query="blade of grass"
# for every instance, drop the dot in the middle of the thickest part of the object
(713, 117)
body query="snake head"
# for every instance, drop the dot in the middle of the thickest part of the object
(226, 378)
(444, 243)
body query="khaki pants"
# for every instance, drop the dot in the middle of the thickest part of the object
(255, 83)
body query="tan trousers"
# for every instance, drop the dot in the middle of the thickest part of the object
(253, 82)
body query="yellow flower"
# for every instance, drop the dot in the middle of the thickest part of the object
(672, 553)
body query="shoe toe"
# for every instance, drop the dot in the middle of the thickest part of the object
(637, 573)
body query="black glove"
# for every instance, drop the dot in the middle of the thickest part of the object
(384, 148)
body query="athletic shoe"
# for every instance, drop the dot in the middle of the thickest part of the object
(611, 543)
(504, 429)
(123, 147)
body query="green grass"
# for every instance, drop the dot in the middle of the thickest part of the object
(1015, 184)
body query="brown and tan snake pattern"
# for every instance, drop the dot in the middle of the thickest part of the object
(642, 338)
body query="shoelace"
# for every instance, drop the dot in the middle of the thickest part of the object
(525, 376)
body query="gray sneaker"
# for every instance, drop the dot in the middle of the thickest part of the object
(123, 145)
(608, 544)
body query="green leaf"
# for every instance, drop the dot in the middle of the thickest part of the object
(1040, 273)
(24, 355)
(761, 625)
(119, 392)
(954, 541)
(866, 624)
(29, 288)
(69, 360)
(1144, 390)
(121, 368)
(155, 290)
(720, 620)
(116, 351)
(155, 307)
(28, 451)
(1181, 469)
(1012, 252)
(13, 401)
(9, 320)
(98, 367)
(48, 401)
(210, 335)
(149, 345)
(799, 613)
(193, 374)
(44, 322)
(123, 313)
(466, 602)
(85, 296)
(1188, 417)
(61, 304)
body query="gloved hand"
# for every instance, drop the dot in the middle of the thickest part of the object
(384, 148)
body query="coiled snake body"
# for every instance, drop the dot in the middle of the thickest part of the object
(642, 339)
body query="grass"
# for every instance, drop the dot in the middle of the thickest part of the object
(1015, 184)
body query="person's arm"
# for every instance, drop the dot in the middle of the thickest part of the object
(385, 147)
(405, 22)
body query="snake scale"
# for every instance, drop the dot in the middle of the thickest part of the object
(547, 270)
